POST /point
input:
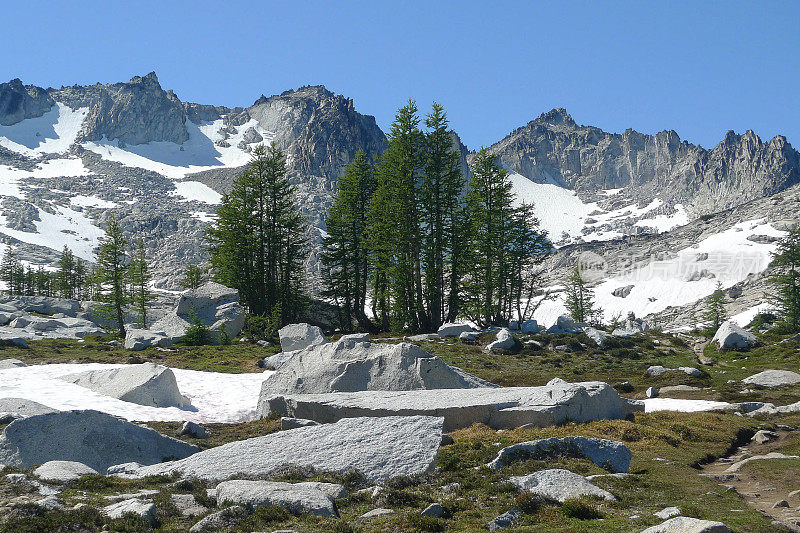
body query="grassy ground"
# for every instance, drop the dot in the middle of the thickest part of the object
(668, 448)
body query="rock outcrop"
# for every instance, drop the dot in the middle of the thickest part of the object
(95, 439)
(63, 471)
(379, 448)
(144, 384)
(773, 378)
(299, 336)
(351, 364)
(499, 408)
(730, 336)
(559, 485)
(18, 102)
(684, 524)
(297, 498)
(609, 454)
(586, 159)
(215, 306)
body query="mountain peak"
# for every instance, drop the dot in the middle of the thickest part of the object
(556, 116)
(148, 78)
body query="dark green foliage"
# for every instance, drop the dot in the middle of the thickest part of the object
(418, 522)
(346, 269)
(786, 280)
(112, 272)
(528, 503)
(193, 277)
(504, 244)
(139, 277)
(258, 242)
(715, 312)
(580, 510)
(580, 298)
(197, 332)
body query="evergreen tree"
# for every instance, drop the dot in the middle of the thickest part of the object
(258, 242)
(580, 298)
(193, 277)
(139, 277)
(394, 237)
(10, 272)
(715, 313)
(345, 258)
(440, 200)
(111, 274)
(80, 279)
(786, 280)
(489, 208)
(66, 275)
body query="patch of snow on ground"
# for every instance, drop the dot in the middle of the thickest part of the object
(652, 405)
(91, 201)
(745, 317)
(54, 132)
(216, 397)
(56, 168)
(9, 181)
(176, 161)
(66, 227)
(196, 191)
(662, 223)
(204, 217)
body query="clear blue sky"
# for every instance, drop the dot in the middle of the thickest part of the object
(700, 68)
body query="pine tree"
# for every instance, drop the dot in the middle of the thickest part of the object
(193, 277)
(112, 274)
(345, 258)
(786, 280)
(258, 242)
(66, 275)
(10, 272)
(715, 313)
(139, 278)
(580, 298)
(440, 200)
(489, 206)
(394, 237)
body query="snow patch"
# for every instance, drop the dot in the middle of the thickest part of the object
(52, 133)
(91, 201)
(651, 405)
(196, 191)
(64, 228)
(216, 397)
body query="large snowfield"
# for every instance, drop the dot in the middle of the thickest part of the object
(215, 397)
(691, 274)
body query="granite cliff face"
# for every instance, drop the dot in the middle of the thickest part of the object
(18, 102)
(587, 159)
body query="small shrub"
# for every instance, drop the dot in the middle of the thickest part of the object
(528, 503)
(580, 510)
(419, 522)
(196, 333)
(263, 516)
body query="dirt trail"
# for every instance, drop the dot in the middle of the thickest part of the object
(759, 493)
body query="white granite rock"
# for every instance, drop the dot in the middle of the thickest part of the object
(144, 384)
(295, 498)
(380, 448)
(63, 471)
(559, 485)
(612, 455)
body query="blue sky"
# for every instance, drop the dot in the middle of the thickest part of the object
(700, 68)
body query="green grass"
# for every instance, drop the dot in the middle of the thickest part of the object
(235, 358)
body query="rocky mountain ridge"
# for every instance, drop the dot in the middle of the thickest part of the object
(586, 159)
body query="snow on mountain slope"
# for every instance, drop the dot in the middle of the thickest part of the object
(200, 192)
(206, 149)
(692, 273)
(52, 133)
(65, 227)
(566, 218)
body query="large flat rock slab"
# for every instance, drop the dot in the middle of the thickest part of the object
(93, 438)
(499, 408)
(379, 448)
(144, 384)
(609, 454)
(558, 484)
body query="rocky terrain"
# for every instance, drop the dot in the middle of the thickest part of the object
(460, 431)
